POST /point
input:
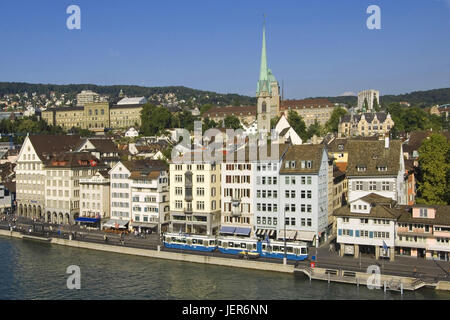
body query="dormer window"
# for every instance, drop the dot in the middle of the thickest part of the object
(303, 163)
(423, 212)
(382, 168)
(309, 164)
(292, 164)
(361, 168)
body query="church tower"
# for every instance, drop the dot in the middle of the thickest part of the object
(267, 91)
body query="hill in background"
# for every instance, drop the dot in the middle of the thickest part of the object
(190, 98)
(421, 99)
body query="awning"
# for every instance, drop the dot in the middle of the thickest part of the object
(271, 233)
(306, 235)
(290, 234)
(262, 232)
(227, 230)
(143, 224)
(88, 220)
(242, 231)
(118, 224)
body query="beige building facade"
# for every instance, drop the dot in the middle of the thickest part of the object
(365, 124)
(195, 197)
(95, 116)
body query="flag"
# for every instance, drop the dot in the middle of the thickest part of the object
(385, 247)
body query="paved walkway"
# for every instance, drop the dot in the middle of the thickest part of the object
(406, 266)
(427, 270)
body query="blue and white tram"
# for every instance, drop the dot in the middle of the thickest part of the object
(190, 242)
(234, 245)
(275, 249)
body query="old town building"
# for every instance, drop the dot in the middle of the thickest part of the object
(365, 124)
(30, 171)
(194, 195)
(95, 116)
(63, 173)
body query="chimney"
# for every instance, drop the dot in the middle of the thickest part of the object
(386, 142)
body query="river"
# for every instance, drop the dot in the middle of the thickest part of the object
(34, 270)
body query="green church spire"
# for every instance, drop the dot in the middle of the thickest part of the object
(263, 82)
(263, 69)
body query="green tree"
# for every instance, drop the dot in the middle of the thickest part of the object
(376, 106)
(274, 121)
(365, 105)
(333, 123)
(155, 119)
(434, 170)
(297, 123)
(204, 108)
(185, 119)
(314, 129)
(232, 122)
(82, 132)
(208, 124)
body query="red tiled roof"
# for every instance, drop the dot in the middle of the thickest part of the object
(306, 103)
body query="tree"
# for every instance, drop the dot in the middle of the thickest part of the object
(82, 132)
(333, 123)
(155, 119)
(376, 106)
(365, 105)
(208, 124)
(274, 122)
(314, 129)
(297, 123)
(434, 167)
(185, 120)
(204, 108)
(232, 122)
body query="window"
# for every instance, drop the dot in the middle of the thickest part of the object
(385, 186)
(359, 185)
(200, 205)
(372, 186)
(200, 191)
(423, 212)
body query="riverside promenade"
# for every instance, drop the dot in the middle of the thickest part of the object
(414, 273)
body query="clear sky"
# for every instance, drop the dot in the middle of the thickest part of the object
(319, 48)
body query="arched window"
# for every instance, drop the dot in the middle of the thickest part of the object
(264, 107)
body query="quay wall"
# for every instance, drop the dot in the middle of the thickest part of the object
(248, 264)
(319, 273)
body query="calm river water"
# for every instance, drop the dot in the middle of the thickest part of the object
(33, 270)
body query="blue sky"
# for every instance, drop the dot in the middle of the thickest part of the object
(318, 48)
